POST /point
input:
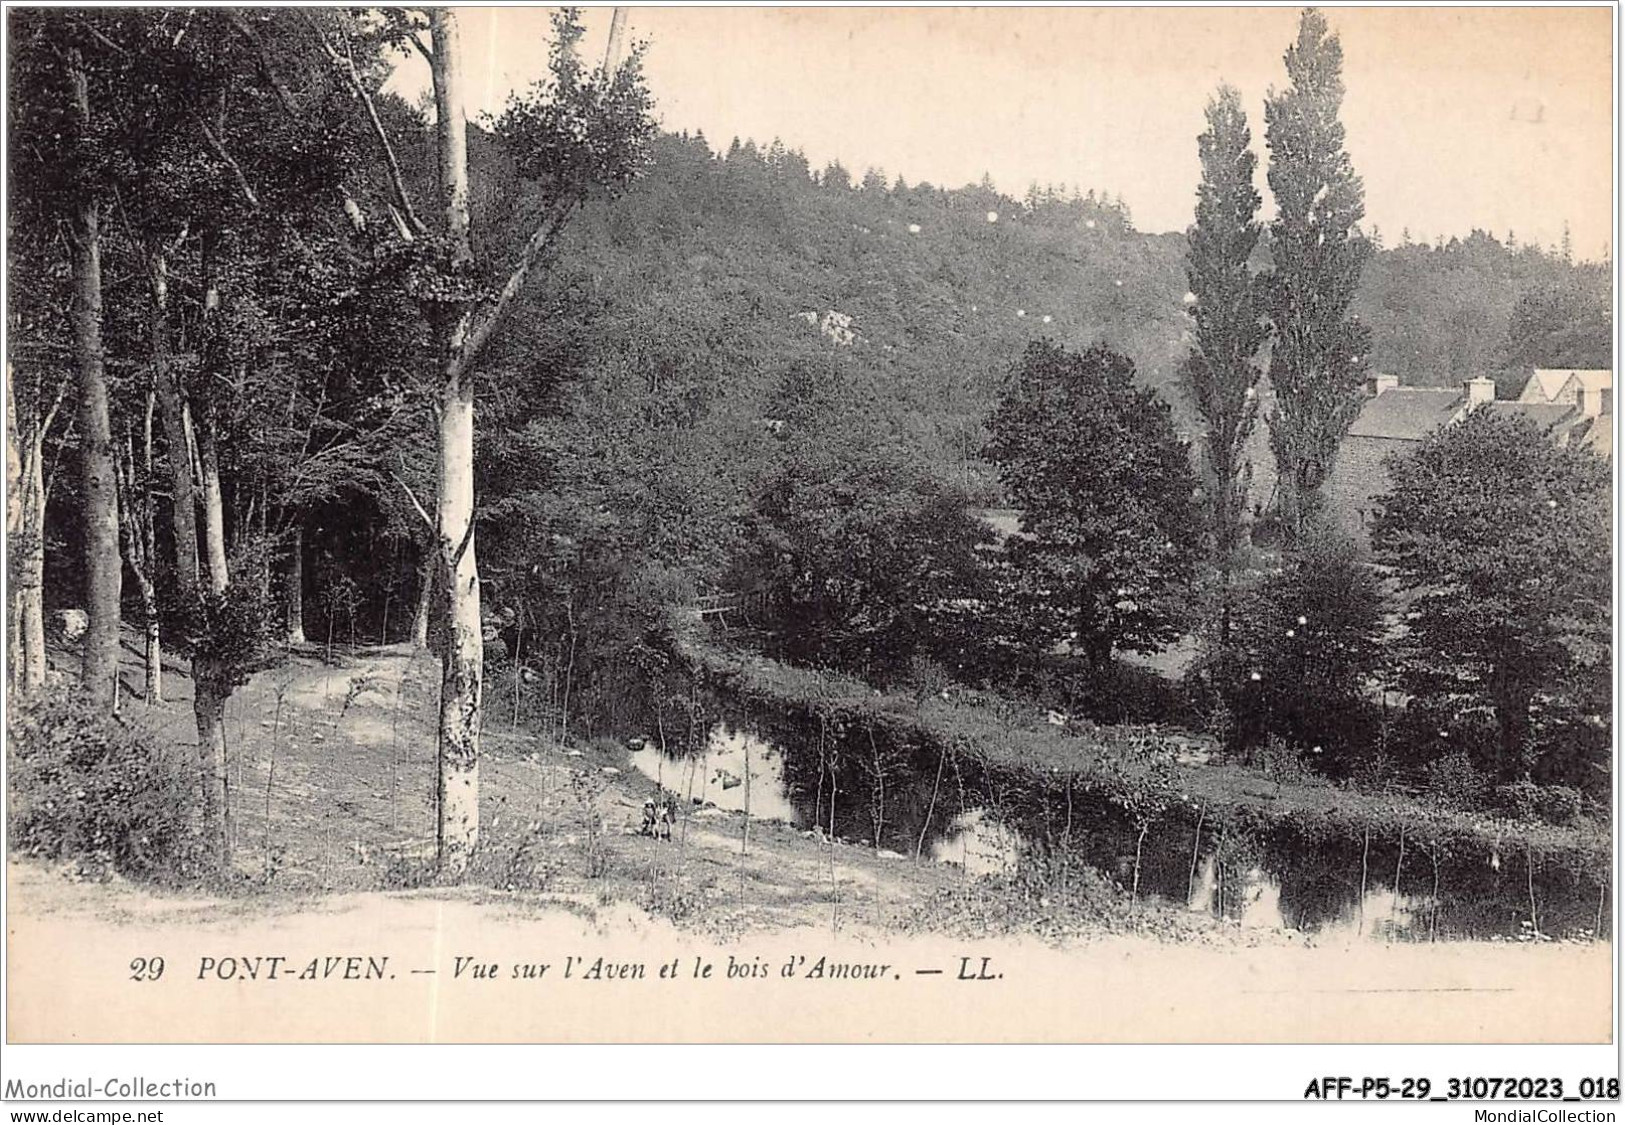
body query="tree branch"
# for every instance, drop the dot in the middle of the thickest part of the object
(220, 151)
(244, 29)
(86, 26)
(406, 488)
(50, 415)
(481, 335)
(345, 64)
(468, 537)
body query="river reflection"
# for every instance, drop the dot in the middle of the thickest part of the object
(909, 798)
(738, 771)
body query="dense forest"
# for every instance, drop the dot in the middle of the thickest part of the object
(251, 292)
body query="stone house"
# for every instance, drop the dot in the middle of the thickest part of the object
(1568, 406)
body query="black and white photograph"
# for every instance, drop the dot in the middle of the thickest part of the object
(811, 525)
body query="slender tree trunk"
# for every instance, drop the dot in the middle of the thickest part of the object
(420, 619)
(148, 537)
(30, 572)
(25, 536)
(931, 806)
(14, 528)
(172, 417)
(1139, 846)
(154, 654)
(296, 585)
(209, 709)
(1196, 854)
(103, 570)
(141, 544)
(214, 512)
(1365, 857)
(138, 549)
(462, 662)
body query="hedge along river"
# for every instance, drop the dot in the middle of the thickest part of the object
(868, 785)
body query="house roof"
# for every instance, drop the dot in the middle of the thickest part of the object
(1593, 380)
(1544, 385)
(1554, 384)
(1546, 416)
(1406, 413)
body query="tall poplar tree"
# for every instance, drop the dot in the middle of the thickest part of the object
(1317, 362)
(1221, 371)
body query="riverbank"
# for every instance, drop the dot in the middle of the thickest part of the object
(1028, 768)
(333, 778)
(333, 781)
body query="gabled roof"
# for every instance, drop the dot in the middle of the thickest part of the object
(1593, 380)
(1407, 413)
(1546, 416)
(1544, 385)
(1560, 384)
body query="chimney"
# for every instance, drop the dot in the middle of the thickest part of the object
(1378, 383)
(1479, 391)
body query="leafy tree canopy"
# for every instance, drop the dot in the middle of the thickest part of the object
(1105, 488)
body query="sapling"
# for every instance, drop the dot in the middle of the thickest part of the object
(1196, 850)
(270, 772)
(878, 768)
(1529, 872)
(931, 807)
(1398, 867)
(1365, 856)
(1144, 785)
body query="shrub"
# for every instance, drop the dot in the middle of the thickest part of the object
(1556, 804)
(1305, 643)
(1518, 798)
(1560, 804)
(1454, 780)
(85, 787)
(1279, 761)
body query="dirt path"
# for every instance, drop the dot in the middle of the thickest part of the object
(332, 770)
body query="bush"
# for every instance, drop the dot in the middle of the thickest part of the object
(1555, 804)
(1520, 798)
(1305, 644)
(1453, 780)
(85, 787)
(1279, 761)
(1560, 804)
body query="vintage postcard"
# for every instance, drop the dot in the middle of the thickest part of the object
(810, 525)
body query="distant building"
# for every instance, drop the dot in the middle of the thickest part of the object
(1568, 406)
(1557, 385)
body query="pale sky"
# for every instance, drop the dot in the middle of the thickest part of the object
(1496, 118)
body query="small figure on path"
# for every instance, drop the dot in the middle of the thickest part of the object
(658, 814)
